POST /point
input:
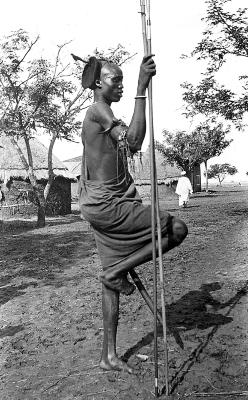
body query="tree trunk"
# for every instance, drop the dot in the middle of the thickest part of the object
(206, 171)
(41, 203)
(41, 213)
(28, 165)
(50, 166)
(188, 172)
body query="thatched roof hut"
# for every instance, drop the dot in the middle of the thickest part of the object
(74, 165)
(11, 165)
(165, 172)
(20, 190)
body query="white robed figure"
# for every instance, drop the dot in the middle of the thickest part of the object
(184, 189)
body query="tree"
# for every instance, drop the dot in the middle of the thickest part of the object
(31, 90)
(225, 36)
(220, 171)
(178, 147)
(210, 141)
(37, 93)
(207, 140)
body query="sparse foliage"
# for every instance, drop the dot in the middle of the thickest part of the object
(36, 93)
(226, 36)
(220, 171)
(118, 55)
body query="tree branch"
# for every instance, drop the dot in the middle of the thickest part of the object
(128, 58)
(25, 55)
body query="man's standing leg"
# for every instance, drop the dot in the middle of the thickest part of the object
(110, 310)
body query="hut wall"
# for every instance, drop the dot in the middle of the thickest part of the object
(20, 200)
(59, 198)
(165, 191)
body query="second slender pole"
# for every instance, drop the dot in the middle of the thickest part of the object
(153, 201)
(146, 31)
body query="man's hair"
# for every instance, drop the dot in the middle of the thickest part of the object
(92, 72)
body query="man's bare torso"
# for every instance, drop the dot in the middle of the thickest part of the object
(103, 160)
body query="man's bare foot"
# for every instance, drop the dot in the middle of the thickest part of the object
(115, 364)
(121, 285)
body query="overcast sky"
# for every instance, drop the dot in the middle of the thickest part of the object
(176, 28)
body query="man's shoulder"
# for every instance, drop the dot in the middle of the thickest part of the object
(102, 114)
(99, 111)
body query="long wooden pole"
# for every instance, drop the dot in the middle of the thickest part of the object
(146, 32)
(159, 232)
(153, 204)
(162, 293)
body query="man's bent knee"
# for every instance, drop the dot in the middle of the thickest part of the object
(179, 230)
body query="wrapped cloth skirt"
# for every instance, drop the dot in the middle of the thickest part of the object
(121, 222)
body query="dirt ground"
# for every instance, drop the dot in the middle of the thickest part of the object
(50, 309)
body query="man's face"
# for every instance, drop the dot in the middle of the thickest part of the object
(111, 79)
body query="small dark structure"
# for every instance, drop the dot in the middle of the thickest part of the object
(14, 176)
(195, 178)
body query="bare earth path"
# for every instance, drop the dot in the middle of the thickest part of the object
(50, 309)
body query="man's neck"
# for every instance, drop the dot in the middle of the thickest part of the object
(98, 98)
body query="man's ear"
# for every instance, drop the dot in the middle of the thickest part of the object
(98, 83)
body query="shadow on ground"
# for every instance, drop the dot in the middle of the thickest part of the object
(19, 226)
(189, 312)
(43, 259)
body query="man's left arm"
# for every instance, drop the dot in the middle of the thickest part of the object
(137, 128)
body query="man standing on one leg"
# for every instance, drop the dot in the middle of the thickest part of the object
(108, 197)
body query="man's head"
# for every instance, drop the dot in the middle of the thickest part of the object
(105, 78)
(110, 84)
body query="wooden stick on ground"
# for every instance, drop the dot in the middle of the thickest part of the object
(149, 303)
